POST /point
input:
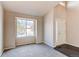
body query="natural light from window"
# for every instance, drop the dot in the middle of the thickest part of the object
(25, 27)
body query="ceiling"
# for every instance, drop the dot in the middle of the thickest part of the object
(73, 4)
(35, 8)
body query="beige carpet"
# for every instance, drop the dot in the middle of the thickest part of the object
(33, 50)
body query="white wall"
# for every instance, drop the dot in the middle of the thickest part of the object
(1, 30)
(73, 26)
(40, 38)
(48, 28)
(57, 13)
(10, 40)
(60, 25)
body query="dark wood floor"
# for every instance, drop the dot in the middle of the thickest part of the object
(68, 50)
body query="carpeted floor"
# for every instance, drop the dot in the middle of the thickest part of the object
(33, 50)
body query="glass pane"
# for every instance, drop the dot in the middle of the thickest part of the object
(21, 28)
(30, 28)
(25, 27)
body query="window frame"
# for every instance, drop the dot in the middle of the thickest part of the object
(35, 23)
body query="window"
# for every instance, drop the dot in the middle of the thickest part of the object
(25, 27)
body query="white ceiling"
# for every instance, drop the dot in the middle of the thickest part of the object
(35, 8)
(73, 4)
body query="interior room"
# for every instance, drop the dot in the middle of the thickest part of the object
(39, 28)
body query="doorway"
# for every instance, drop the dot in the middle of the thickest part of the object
(60, 31)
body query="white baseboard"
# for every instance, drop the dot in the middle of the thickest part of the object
(39, 42)
(9, 48)
(49, 44)
(73, 45)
